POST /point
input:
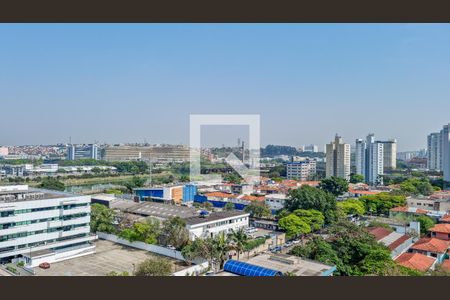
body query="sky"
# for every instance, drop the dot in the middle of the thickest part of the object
(117, 83)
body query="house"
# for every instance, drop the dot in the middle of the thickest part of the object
(445, 219)
(416, 261)
(441, 231)
(396, 242)
(431, 247)
(276, 201)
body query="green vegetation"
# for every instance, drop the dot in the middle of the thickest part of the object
(12, 269)
(232, 178)
(307, 197)
(174, 233)
(156, 266)
(135, 182)
(425, 223)
(356, 178)
(258, 210)
(417, 186)
(352, 207)
(254, 243)
(147, 232)
(102, 219)
(239, 239)
(51, 183)
(334, 185)
(114, 273)
(16, 162)
(380, 204)
(229, 206)
(293, 226)
(352, 249)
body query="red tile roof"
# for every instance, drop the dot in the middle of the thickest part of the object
(445, 218)
(398, 242)
(442, 228)
(220, 195)
(363, 192)
(446, 265)
(253, 198)
(415, 261)
(409, 209)
(431, 245)
(379, 232)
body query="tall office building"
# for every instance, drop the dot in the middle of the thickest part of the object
(389, 154)
(360, 157)
(369, 159)
(75, 152)
(338, 159)
(434, 161)
(310, 148)
(445, 151)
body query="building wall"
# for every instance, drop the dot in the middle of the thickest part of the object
(189, 192)
(445, 154)
(338, 159)
(43, 224)
(441, 236)
(301, 170)
(213, 228)
(390, 154)
(434, 161)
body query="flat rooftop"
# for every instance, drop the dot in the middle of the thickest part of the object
(214, 216)
(31, 195)
(108, 257)
(161, 210)
(289, 263)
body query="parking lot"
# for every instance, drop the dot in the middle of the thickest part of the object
(108, 257)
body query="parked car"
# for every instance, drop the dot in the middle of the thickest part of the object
(44, 265)
(171, 247)
(276, 249)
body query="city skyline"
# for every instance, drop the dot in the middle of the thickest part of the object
(131, 83)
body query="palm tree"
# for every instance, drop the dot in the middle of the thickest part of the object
(221, 246)
(239, 238)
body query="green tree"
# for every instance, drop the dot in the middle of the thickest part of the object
(356, 178)
(102, 218)
(229, 206)
(232, 178)
(381, 203)
(312, 217)
(51, 183)
(174, 233)
(352, 207)
(417, 186)
(425, 223)
(239, 238)
(147, 232)
(135, 182)
(156, 266)
(334, 185)
(258, 210)
(293, 226)
(307, 197)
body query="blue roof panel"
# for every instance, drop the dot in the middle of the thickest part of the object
(245, 269)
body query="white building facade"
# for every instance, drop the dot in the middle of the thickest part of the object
(369, 160)
(301, 170)
(216, 223)
(38, 225)
(445, 151)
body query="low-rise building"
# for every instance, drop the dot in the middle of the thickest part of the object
(301, 170)
(431, 247)
(39, 225)
(441, 231)
(276, 265)
(276, 201)
(416, 261)
(396, 242)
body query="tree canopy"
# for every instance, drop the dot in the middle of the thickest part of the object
(334, 185)
(258, 210)
(356, 178)
(293, 225)
(352, 207)
(381, 203)
(156, 266)
(102, 218)
(307, 197)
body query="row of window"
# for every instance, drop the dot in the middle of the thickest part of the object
(49, 230)
(40, 243)
(61, 218)
(225, 222)
(25, 211)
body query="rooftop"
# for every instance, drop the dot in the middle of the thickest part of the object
(291, 264)
(415, 261)
(161, 210)
(194, 220)
(23, 193)
(446, 265)
(441, 228)
(431, 245)
(413, 210)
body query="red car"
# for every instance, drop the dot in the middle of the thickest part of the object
(44, 265)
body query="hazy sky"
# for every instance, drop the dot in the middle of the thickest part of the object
(136, 82)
